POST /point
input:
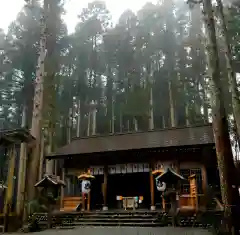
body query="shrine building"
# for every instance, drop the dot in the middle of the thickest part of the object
(123, 164)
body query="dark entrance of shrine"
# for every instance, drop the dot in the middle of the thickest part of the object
(96, 193)
(128, 185)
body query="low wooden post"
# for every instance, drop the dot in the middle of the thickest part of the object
(152, 188)
(105, 207)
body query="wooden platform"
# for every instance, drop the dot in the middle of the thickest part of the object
(71, 203)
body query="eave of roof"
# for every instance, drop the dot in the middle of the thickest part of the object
(186, 136)
(18, 135)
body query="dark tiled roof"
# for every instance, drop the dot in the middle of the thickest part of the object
(15, 136)
(50, 180)
(139, 140)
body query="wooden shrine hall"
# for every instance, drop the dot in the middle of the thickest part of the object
(123, 164)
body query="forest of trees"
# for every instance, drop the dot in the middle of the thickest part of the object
(170, 64)
(148, 71)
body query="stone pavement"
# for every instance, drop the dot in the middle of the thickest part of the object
(125, 231)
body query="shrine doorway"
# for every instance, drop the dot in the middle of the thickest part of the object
(129, 185)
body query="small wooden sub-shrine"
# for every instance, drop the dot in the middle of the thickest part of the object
(124, 167)
(12, 176)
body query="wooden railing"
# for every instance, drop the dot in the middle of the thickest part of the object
(71, 203)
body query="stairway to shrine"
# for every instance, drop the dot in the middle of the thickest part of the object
(69, 220)
(108, 218)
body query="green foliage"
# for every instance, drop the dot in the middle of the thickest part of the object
(114, 66)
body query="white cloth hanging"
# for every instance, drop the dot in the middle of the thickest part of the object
(86, 184)
(161, 186)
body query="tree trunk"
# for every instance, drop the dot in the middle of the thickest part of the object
(40, 175)
(89, 123)
(112, 118)
(229, 62)
(120, 121)
(37, 111)
(220, 124)
(79, 119)
(128, 125)
(135, 122)
(186, 106)
(205, 106)
(151, 120)
(22, 168)
(69, 127)
(172, 106)
(94, 116)
(49, 163)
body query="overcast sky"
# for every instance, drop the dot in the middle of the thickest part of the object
(10, 8)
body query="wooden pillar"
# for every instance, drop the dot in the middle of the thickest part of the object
(204, 179)
(89, 201)
(89, 195)
(177, 169)
(83, 201)
(10, 179)
(104, 189)
(152, 187)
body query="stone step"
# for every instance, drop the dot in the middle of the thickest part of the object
(111, 223)
(114, 220)
(76, 219)
(106, 216)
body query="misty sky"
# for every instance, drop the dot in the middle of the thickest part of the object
(10, 8)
